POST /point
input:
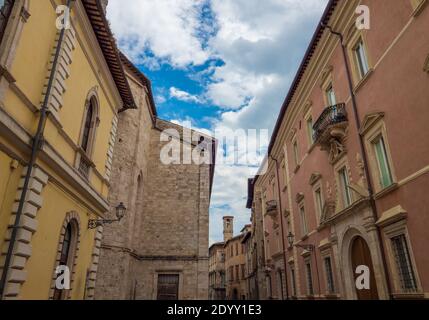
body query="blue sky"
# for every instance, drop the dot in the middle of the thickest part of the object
(221, 65)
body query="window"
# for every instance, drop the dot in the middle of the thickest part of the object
(68, 249)
(243, 272)
(329, 275)
(87, 127)
(168, 287)
(361, 59)
(385, 174)
(403, 263)
(319, 202)
(292, 275)
(5, 10)
(296, 153)
(304, 228)
(310, 131)
(87, 136)
(330, 95)
(237, 273)
(344, 185)
(280, 284)
(310, 290)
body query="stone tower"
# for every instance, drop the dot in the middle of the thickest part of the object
(228, 228)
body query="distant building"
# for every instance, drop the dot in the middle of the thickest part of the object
(217, 277)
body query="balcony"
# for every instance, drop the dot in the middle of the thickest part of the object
(271, 208)
(330, 130)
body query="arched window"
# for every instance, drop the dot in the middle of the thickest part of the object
(67, 252)
(89, 125)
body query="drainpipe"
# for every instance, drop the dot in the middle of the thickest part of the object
(35, 148)
(364, 155)
(281, 225)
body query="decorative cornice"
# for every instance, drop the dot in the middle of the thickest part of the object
(369, 121)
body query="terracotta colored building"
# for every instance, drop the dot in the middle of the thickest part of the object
(235, 263)
(348, 164)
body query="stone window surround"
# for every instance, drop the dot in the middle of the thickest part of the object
(393, 222)
(307, 260)
(352, 38)
(325, 252)
(372, 128)
(73, 218)
(177, 271)
(318, 185)
(326, 81)
(92, 97)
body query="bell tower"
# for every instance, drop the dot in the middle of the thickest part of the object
(228, 228)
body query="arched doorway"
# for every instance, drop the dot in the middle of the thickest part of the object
(361, 255)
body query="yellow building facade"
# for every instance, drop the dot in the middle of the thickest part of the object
(69, 182)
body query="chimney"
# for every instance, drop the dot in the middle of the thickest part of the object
(104, 4)
(228, 228)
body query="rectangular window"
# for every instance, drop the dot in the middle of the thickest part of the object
(403, 263)
(344, 184)
(329, 275)
(168, 287)
(243, 272)
(296, 153)
(310, 130)
(237, 273)
(330, 95)
(319, 202)
(304, 228)
(361, 59)
(383, 163)
(292, 275)
(310, 290)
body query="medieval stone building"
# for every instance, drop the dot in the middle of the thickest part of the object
(159, 250)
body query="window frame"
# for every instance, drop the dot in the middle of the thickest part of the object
(371, 131)
(353, 38)
(309, 281)
(395, 227)
(303, 219)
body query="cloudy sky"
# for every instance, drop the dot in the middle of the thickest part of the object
(218, 65)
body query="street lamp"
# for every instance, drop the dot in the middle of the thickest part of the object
(120, 213)
(290, 239)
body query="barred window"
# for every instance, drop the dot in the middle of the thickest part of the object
(329, 275)
(310, 289)
(403, 263)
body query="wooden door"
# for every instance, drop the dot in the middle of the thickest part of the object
(168, 287)
(362, 256)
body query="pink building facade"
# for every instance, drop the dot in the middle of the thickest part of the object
(343, 204)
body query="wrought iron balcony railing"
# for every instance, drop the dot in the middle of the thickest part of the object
(331, 116)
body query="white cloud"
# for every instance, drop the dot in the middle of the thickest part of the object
(168, 28)
(261, 44)
(184, 96)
